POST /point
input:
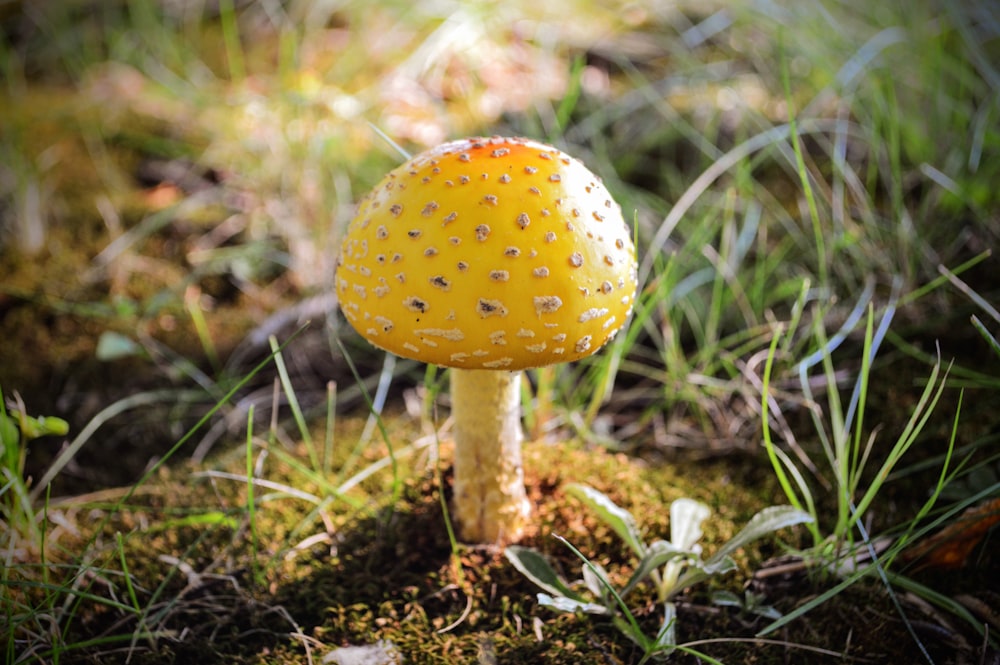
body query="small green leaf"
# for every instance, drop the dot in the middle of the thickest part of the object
(748, 603)
(49, 426)
(766, 521)
(617, 518)
(9, 434)
(724, 598)
(596, 579)
(33, 428)
(698, 571)
(658, 553)
(569, 605)
(716, 566)
(533, 565)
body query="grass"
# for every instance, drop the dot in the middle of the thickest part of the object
(811, 189)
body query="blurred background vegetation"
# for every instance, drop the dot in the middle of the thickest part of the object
(167, 162)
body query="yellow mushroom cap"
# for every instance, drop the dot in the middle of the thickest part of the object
(488, 253)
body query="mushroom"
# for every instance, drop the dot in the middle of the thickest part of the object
(488, 256)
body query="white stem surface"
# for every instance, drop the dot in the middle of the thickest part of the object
(490, 504)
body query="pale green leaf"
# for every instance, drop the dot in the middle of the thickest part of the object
(616, 517)
(766, 521)
(686, 516)
(569, 605)
(658, 553)
(533, 565)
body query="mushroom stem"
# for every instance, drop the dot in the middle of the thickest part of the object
(490, 503)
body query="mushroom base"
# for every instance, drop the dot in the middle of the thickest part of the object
(490, 504)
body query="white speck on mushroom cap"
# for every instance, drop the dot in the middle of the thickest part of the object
(485, 268)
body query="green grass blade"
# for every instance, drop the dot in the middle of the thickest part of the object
(986, 334)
